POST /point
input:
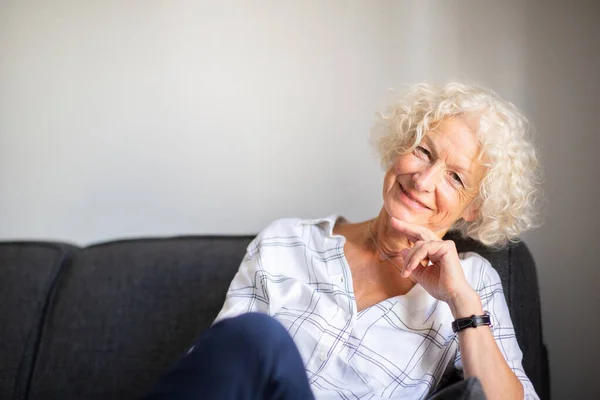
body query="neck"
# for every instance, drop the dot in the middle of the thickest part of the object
(385, 238)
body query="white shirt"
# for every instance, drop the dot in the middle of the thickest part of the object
(295, 271)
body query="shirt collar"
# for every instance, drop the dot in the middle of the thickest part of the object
(327, 222)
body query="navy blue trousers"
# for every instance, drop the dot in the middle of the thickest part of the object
(247, 357)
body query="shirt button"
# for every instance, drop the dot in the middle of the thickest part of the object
(323, 356)
(342, 279)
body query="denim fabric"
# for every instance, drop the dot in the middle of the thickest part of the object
(249, 357)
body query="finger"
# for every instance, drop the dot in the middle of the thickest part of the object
(416, 259)
(412, 257)
(404, 253)
(414, 275)
(414, 232)
(446, 246)
(407, 255)
(421, 255)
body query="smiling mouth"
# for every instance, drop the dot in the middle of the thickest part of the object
(411, 198)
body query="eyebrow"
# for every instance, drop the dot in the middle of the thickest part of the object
(431, 144)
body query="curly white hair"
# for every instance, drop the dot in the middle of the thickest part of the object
(509, 192)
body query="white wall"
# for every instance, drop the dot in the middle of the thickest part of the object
(546, 55)
(563, 72)
(131, 118)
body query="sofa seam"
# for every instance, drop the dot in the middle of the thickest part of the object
(56, 247)
(63, 265)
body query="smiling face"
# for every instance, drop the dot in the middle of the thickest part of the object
(435, 185)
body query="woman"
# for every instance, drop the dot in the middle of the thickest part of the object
(386, 308)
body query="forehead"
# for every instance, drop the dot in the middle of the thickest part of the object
(457, 143)
(454, 136)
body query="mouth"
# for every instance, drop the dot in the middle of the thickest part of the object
(411, 199)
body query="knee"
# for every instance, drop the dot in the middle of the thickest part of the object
(255, 329)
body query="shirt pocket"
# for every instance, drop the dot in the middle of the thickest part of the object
(397, 362)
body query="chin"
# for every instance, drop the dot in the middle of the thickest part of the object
(405, 215)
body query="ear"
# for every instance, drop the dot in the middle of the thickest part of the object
(472, 211)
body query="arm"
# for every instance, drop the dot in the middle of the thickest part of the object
(494, 356)
(480, 354)
(248, 289)
(475, 358)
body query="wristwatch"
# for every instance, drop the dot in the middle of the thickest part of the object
(472, 322)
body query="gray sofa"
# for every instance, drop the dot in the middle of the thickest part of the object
(104, 321)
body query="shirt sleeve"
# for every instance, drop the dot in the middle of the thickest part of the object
(490, 290)
(248, 289)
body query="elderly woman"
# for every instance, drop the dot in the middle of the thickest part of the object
(385, 308)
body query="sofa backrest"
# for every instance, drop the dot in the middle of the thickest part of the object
(29, 272)
(116, 315)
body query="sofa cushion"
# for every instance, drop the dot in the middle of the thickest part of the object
(28, 271)
(125, 311)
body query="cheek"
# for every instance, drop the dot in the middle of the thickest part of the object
(449, 207)
(449, 199)
(388, 181)
(406, 164)
(389, 175)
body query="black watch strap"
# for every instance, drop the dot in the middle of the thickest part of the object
(471, 322)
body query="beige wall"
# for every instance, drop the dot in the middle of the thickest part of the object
(129, 118)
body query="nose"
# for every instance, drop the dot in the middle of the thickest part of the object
(426, 179)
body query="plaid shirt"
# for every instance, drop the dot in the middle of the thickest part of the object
(295, 271)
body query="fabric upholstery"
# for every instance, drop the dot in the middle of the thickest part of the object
(468, 389)
(127, 310)
(28, 272)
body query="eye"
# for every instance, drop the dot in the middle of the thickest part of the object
(423, 151)
(456, 178)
